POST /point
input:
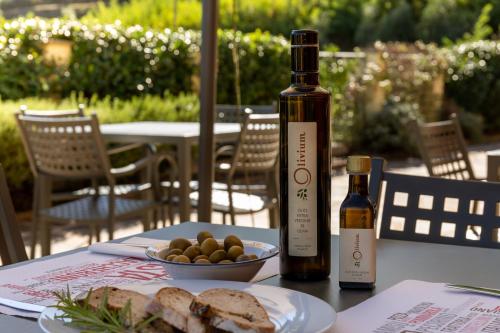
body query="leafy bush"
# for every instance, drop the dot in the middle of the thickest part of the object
(387, 130)
(184, 107)
(338, 24)
(446, 18)
(106, 60)
(112, 60)
(275, 16)
(398, 24)
(392, 20)
(474, 79)
(264, 63)
(335, 75)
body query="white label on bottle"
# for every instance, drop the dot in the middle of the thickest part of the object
(302, 188)
(357, 257)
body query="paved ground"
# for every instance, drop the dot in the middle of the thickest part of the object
(66, 238)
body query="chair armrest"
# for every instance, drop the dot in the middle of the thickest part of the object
(134, 167)
(121, 149)
(227, 150)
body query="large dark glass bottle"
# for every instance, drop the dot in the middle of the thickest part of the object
(305, 171)
(357, 250)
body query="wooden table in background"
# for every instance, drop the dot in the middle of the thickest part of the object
(183, 135)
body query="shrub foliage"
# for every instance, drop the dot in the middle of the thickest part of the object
(113, 60)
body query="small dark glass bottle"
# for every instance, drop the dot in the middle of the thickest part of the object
(305, 169)
(357, 248)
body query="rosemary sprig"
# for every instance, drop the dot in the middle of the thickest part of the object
(101, 319)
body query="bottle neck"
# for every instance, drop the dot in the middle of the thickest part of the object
(305, 79)
(358, 184)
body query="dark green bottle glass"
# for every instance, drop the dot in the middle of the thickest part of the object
(305, 166)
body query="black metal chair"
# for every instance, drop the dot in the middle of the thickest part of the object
(11, 243)
(436, 210)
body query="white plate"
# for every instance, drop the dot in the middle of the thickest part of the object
(289, 310)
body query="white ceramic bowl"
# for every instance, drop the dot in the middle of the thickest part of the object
(239, 271)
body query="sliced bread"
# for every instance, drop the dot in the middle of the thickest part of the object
(118, 298)
(232, 311)
(172, 306)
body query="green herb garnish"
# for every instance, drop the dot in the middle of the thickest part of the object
(101, 319)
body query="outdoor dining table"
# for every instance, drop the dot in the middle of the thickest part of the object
(396, 261)
(181, 134)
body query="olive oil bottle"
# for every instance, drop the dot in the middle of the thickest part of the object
(305, 169)
(357, 250)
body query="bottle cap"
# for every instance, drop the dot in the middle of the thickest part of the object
(304, 37)
(305, 50)
(358, 164)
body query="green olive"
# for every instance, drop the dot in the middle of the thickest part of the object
(202, 261)
(171, 257)
(192, 251)
(209, 246)
(203, 235)
(201, 256)
(217, 256)
(174, 251)
(180, 243)
(182, 258)
(243, 257)
(232, 240)
(226, 261)
(253, 256)
(234, 252)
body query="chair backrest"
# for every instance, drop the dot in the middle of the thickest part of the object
(436, 210)
(11, 243)
(225, 113)
(258, 144)
(53, 113)
(443, 149)
(70, 147)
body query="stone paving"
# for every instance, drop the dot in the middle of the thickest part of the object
(67, 237)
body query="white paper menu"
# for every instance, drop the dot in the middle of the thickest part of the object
(418, 307)
(34, 283)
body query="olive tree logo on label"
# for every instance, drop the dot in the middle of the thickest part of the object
(301, 175)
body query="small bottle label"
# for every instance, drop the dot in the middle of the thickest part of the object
(302, 189)
(357, 257)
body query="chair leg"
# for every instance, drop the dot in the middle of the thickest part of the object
(34, 234)
(231, 206)
(91, 232)
(97, 230)
(146, 221)
(34, 219)
(273, 217)
(45, 236)
(111, 227)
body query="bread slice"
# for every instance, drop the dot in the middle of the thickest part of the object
(232, 311)
(172, 306)
(118, 298)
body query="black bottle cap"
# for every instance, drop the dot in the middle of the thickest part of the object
(304, 37)
(305, 50)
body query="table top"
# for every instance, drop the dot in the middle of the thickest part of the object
(396, 261)
(160, 131)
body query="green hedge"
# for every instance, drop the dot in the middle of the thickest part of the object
(117, 61)
(474, 80)
(275, 16)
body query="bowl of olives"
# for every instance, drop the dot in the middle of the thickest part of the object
(214, 259)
